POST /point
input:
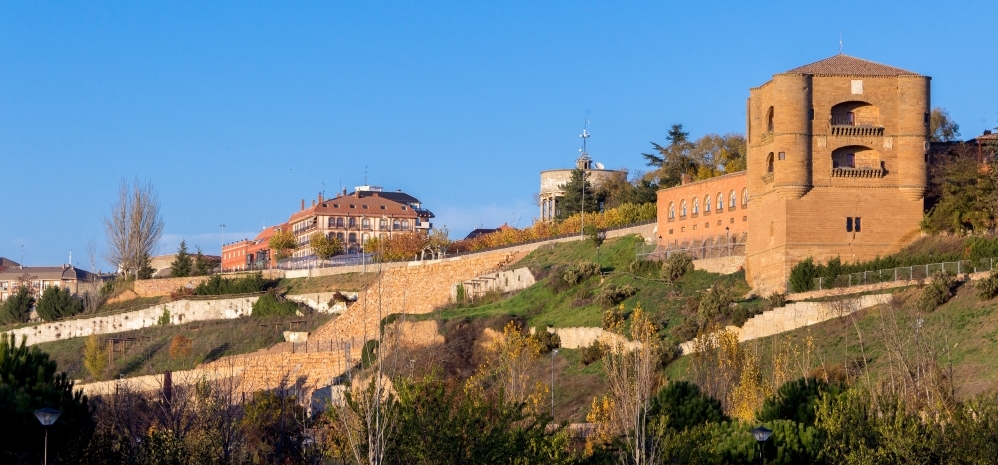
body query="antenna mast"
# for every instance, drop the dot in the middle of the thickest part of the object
(840, 42)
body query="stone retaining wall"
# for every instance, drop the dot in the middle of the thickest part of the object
(722, 265)
(501, 281)
(164, 286)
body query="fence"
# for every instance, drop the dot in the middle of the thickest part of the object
(697, 248)
(902, 273)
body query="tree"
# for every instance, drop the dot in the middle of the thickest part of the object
(202, 264)
(674, 160)
(324, 246)
(716, 155)
(145, 268)
(797, 400)
(682, 405)
(29, 381)
(94, 356)
(438, 242)
(961, 196)
(579, 194)
(182, 263)
(282, 243)
(942, 128)
(272, 429)
(17, 307)
(56, 302)
(133, 227)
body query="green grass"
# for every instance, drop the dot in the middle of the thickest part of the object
(542, 304)
(335, 282)
(210, 340)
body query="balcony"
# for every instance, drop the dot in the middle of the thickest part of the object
(766, 137)
(767, 178)
(855, 126)
(862, 171)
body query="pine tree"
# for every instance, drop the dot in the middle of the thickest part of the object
(56, 302)
(202, 265)
(574, 189)
(145, 269)
(182, 264)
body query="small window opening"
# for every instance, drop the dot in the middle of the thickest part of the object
(849, 224)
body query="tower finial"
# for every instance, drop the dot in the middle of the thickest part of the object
(584, 136)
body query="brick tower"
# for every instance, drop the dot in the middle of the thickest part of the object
(836, 165)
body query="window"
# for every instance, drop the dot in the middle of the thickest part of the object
(339, 222)
(782, 156)
(365, 223)
(383, 224)
(682, 209)
(353, 238)
(844, 160)
(405, 225)
(339, 236)
(769, 120)
(706, 204)
(732, 200)
(396, 225)
(849, 224)
(696, 206)
(744, 196)
(720, 202)
(856, 224)
(364, 207)
(672, 210)
(382, 207)
(769, 162)
(353, 222)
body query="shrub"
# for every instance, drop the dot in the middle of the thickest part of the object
(802, 275)
(593, 353)
(580, 272)
(218, 285)
(645, 267)
(611, 295)
(164, 319)
(369, 354)
(776, 300)
(713, 302)
(830, 271)
(676, 266)
(269, 305)
(613, 317)
(94, 356)
(937, 292)
(987, 288)
(17, 307)
(56, 302)
(180, 347)
(547, 340)
(796, 401)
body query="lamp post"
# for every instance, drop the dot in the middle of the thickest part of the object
(222, 250)
(727, 239)
(761, 435)
(600, 238)
(553, 353)
(46, 417)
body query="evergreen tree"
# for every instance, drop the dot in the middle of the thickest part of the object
(683, 405)
(182, 264)
(674, 160)
(145, 268)
(56, 302)
(202, 265)
(17, 307)
(572, 202)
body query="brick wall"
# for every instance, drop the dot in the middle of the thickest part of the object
(704, 222)
(161, 287)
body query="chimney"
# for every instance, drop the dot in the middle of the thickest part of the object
(374, 194)
(313, 203)
(344, 191)
(302, 204)
(320, 197)
(685, 179)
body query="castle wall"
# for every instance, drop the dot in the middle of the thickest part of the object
(703, 223)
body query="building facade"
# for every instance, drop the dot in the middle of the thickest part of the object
(249, 254)
(553, 180)
(38, 278)
(837, 155)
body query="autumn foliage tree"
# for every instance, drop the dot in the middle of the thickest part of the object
(324, 246)
(283, 243)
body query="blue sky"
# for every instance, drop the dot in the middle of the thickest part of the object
(238, 110)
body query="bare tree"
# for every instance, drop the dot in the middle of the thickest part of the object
(133, 227)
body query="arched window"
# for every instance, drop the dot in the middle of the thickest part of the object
(769, 120)
(383, 224)
(682, 209)
(732, 201)
(339, 236)
(405, 225)
(706, 204)
(365, 223)
(769, 163)
(672, 210)
(353, 222)
(396, 225)
(744, 196)
(720, 202)
(339, 222)
(696, 206)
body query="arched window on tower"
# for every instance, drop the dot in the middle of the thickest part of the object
(720, 202)
(682, 209)
(769, 163)
(733, 200)
(744, 196)
(769, 120)
(706, 204)
(696, 206)
(672, 210)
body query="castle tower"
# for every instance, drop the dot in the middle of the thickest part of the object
(836, 165)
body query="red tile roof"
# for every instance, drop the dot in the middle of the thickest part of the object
(353, 206)
(845, 65)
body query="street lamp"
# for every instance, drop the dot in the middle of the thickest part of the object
(727, 239)
(761, 435)
(553, 353)
(222, 251)
(46, 417)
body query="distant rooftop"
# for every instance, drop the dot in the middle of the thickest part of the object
(845, 65)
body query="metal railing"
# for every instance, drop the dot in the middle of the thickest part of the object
(901, 273)
(697, 248)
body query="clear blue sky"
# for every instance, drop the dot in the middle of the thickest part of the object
(236, 111)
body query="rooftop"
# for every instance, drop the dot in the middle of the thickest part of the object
(845, 65)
